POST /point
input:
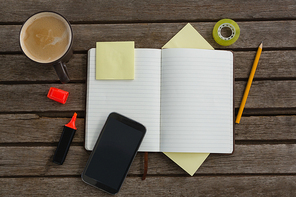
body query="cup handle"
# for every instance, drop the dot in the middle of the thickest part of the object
(62, 72)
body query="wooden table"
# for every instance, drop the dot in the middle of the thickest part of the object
(264, 161)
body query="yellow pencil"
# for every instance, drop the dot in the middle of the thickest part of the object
(244, 100)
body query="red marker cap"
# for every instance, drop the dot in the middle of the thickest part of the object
(58, 95)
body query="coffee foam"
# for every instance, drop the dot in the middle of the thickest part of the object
(46, 39)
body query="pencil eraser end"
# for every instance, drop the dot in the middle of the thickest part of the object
(58, 95)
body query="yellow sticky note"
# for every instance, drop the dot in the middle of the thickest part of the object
(188, 37)
(115, 60)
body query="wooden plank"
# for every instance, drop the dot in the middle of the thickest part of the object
(155, 186)
(267, 94)
(35, 129)
(155, 35)
(154, 11)
(247, 159)
(32, 97)
(19, 68)
(266, 128)
(272, 64)
(31, 128)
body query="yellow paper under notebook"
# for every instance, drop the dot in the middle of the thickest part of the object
(188, 37)
(115, 60)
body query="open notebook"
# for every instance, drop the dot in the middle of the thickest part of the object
(184, 97)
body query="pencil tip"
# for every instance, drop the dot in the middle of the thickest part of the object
(261, 44)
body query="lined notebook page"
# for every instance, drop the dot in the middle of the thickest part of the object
(138, 99)
(197, 101)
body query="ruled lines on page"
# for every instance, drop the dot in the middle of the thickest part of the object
(138, 99)
(197, 101)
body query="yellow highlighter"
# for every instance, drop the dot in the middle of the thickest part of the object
(244, 100)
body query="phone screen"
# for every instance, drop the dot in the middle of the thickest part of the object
(113, 153)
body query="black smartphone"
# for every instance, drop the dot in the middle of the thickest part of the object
(113, 153)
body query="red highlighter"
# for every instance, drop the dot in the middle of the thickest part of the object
(65, 141)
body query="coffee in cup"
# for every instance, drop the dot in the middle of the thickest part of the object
(46, 38)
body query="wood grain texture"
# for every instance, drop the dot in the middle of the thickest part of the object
(267, 94)
(272, 64)
(266, 128)
(153, 11)
(155, 35)
(155, 186)
(30, 128)
(32, 97)
(19, 68)
(247, 159)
